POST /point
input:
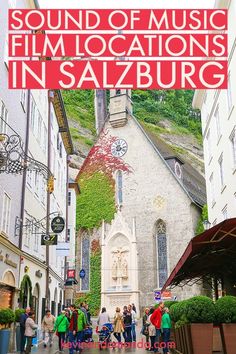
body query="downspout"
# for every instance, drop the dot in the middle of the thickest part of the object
(66, 238)
(50, 98)
(22, 210)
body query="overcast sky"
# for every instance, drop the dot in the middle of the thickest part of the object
(122, 4)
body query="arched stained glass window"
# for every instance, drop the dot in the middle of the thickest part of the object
(161, 243)
(119, 187)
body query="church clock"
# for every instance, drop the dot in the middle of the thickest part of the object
(119, 148)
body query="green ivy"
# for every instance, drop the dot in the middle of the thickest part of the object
(26, 279)
(93, 298)
(96, 201)
(203, 217)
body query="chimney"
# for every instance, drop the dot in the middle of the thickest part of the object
(100, 109)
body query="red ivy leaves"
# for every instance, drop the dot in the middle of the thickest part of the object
(101, 159)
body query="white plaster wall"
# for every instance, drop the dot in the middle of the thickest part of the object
(226, 195)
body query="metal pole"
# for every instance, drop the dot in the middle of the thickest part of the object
(48, 199)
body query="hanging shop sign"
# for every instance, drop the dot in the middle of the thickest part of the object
(63, 249)
(57, 224)
(48, 240)
(71, 273)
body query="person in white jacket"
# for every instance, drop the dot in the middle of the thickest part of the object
(30, 332)
(103, 318)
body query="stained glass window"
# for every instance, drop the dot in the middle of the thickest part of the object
(85, 263)
(119, 184)
(162, 253)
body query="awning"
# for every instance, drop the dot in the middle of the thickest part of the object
(211, 254)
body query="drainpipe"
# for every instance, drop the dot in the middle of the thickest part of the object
(66, 226)
(22, 208)
(50, 98)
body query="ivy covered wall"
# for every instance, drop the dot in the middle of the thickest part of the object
(93, 298)
(96, 203)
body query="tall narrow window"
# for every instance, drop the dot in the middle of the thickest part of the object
(119, 184)
(233, 145)
(217, 120)
(69, 198)
(6, 213)
(3, 118)
(209, 146)
(85, 263)
(220, 161)
(229, 94)
(212, 187)
(161, 253)
(225, 213)
(23, 99)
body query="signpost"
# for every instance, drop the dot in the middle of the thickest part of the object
(157, 295)
(48, 240)
(57, 224)
(82, 273)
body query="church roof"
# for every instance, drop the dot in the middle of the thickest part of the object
(193, 182)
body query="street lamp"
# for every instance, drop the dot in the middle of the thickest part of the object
(206, 224)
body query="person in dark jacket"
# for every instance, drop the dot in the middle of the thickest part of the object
(127, 319)
(77, 325)
(23, 318)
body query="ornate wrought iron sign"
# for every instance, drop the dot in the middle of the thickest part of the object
(14, 160)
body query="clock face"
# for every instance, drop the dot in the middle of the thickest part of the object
(178, 170)
(119, 148)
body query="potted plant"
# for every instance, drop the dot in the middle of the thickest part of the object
(7, 317)
(201, 313)
(18, 313)
(177, 313)
(226, 316)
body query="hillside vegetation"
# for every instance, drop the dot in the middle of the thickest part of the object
(168, 114)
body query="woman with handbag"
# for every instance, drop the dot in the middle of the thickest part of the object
(61, 327)
(145, 326)
(151, 330)
(118, 325)
(30, 331)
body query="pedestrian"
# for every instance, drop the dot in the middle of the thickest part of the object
(118, 325)
(127, 319)
(30, 331)
(156, 321)
(76, 328)
(61, 327)
(82, 308)
(145, 326)
(48, 323)
(165, 328)
(134, 308)
(23, 318)
(151, 330)
(133, 325)
(88, 314)
(103, 318)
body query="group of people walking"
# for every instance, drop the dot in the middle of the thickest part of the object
(157, 325)
(124, 323)
(68, 326)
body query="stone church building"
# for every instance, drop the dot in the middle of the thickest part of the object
(159, 200)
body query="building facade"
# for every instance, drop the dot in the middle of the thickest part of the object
(158, 201)
(219, 134)
(32, 274)
(12, 121)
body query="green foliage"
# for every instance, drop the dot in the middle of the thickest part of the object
(200, 309)
(96, 201)
(93, 298)
(80, 138)
(26, 281)
(176, 105)
(203, 217)
(226, 309)
(7, 316)
(18, 313)
(178, 311)
(79, 106)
